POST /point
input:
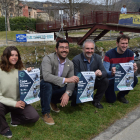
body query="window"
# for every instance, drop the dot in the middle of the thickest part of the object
(11, 15)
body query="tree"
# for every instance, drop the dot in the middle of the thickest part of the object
(73, 6)
(115, 5)
(8, 9)
(110, 5)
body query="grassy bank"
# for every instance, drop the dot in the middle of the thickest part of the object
(31, 54)
(76, 123)
(11, 35)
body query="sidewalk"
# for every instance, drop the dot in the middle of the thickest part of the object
(127, 128)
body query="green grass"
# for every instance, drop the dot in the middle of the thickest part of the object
(28, 52)
(11, 35)
(76, 123)
(72, 123)
(106, 45)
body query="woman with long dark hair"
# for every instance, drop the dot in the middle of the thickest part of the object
(9, 93)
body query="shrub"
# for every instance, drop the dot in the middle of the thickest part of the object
(2, 23)
(20, 23)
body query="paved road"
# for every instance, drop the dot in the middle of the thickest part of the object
(125, 129)
(132, 132)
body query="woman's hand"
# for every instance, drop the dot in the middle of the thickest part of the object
(20, 104)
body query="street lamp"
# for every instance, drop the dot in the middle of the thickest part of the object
(6, 24)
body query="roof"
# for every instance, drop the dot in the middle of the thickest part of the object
(40, 11)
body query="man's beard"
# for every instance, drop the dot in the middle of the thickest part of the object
(88, 56)
(63, 58)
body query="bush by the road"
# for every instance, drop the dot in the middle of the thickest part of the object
(18, 23)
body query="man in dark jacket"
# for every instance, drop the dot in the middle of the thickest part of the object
(89, 61)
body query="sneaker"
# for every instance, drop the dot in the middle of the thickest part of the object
(123, 100)
(97, 105)
(54, 107)
(14, 125)
(8, 134)
(48, 119)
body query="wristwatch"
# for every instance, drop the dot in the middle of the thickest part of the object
(69, 94)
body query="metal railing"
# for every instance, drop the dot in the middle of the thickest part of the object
(29, 28)
(94, 17)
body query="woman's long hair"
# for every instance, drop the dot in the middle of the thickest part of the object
(5, 65)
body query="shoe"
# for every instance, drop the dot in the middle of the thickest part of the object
(54, 107)
(97, 105)
(123, 100)
(48, 119)
(14, 125)
(8, 134)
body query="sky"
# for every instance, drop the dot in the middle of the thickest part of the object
(99, 1)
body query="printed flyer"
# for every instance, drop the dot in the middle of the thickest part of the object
(124, 77)
(85, 86)
(29, 85)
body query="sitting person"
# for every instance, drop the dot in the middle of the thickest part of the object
(90, 61)
(9, 93)
(120, 54)
(58, 81)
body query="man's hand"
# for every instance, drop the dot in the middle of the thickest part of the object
(135, 67)
(64, 99)
(20, 104)
(73, 79)
(30, 68)
(113, 70)
(98, 73)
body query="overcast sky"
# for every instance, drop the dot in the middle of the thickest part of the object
(99, 1)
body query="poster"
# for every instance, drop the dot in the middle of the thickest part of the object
(85, 86)
(124, 77)
(40, 37)
(129, 19)
(29, 85)
(35, 37)
(21, 38)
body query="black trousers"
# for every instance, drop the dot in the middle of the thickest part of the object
(101, 86)
(110, 93)
(18, 116)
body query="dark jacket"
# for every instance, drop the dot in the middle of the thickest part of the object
(80, 65)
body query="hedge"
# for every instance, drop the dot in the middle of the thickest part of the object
(18, 23)
(2, 23)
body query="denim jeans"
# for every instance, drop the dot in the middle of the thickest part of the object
(52, 93)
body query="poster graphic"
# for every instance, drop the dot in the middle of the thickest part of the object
(21, 38)
(29, 85)
(40, 37)
(124, 77)
(35, 37)
(129, 19)
(85, 86)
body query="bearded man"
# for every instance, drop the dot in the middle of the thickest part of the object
(90, 61)
(58, 81)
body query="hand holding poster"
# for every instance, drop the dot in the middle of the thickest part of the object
(85, 87)
(29, 85)
(124, 77)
